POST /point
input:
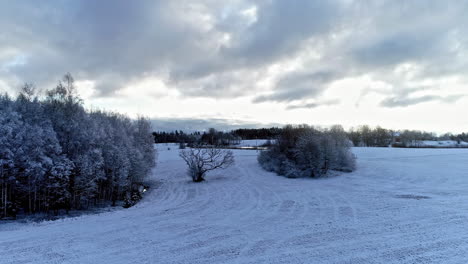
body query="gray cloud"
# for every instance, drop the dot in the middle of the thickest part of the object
(111, 42)
(315, 104)
(395, 49)
(193, 124)
(299, 85)
(282, 26)
(408, 101)
(211, 49)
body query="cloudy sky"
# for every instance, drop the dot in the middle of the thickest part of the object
(398, 64)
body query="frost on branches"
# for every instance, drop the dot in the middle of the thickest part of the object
(201, 160)
(304, 151)
(56, 155)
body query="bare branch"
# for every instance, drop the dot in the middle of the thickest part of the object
(202, 160)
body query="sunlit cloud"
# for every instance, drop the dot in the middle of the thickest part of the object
(320, 57)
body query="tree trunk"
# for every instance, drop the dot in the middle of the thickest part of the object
(1, 202)
(29, 195)
(4, 197)
(115, 194)
(199, 177)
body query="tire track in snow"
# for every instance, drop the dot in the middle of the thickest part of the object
(246, 215)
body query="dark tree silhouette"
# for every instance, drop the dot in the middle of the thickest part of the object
(202, 160)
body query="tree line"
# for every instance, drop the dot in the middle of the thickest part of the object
(366, 136)
(211, 137)
(56, 155)
(361, 136)
(257, 133)
(214, 136)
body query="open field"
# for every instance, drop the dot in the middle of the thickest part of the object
(399, 206)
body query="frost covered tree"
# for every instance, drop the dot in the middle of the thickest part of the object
(39, 153)
(143, 145)
(116, 146)
(202, 160)
(56, 183)
(54, 154)
(304, 151)
(10, 123)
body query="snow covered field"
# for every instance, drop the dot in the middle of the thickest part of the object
(441, 143)
(252, 143)
(400, 206)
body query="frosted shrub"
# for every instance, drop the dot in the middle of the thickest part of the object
(307, 152)
(269, 160)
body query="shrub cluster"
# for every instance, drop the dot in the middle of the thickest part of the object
(304, 151)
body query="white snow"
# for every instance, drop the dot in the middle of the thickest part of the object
(400, 206)
(439, 143)
(252, 143)
(445, 143)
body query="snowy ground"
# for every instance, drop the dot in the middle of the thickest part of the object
(441, 143)
(252, 143)
(400, 206)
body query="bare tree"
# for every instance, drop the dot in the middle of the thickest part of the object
(28, 91)
(202, 160)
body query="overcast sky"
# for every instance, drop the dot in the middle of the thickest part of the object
(398, 64)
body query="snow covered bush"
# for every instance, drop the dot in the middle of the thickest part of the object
(56, 155)
(308, 152)
(202, 160)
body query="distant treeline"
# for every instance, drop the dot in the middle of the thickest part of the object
(259, 133)
(366, 136)
(215, 137)
(361, 136)
(56, 155)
